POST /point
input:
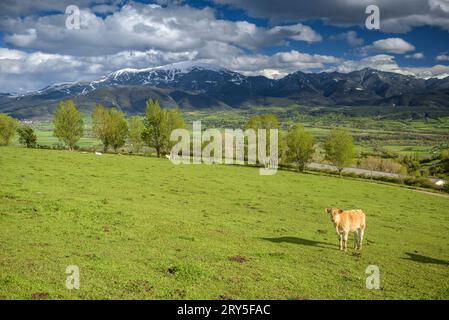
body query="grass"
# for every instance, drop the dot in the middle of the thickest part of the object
(143, 228)
(46, 138)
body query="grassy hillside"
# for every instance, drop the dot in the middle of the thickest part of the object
(143, 228)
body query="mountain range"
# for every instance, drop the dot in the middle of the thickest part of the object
(199, 85)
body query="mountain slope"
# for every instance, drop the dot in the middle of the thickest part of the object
(200, 85)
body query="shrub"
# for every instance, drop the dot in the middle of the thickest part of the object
(27, 137)
(7, 129)
(446, 187)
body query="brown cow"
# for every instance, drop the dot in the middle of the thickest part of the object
(346, 221)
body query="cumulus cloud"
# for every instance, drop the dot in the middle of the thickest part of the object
(21, 71)
(397, 16)
(442, 5)
(11, 54)
(390, 45)
(280, 64)
(17, 9)
(387, 63)
(381, 62)
(416, 56)
(442, 57)
(298, 32)
(114, 35)
(350, 37)
(437, 71)
(21, 40)
(142, 27)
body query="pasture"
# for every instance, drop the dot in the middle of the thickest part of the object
(143, 228)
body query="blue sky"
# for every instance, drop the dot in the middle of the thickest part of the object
(263, 37)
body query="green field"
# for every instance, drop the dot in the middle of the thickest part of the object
(144, 228)
(403, 136)
(419, 138)
(44, 132)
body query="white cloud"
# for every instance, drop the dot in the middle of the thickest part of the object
(416, 56)
(381, 62)
(142, 27)
(387, 63)
(437, 71)
(353, 39)
(11, 54)
(21, 40)
(298, 32)
(104, 8)
(33, 71)
(350, 37)
(442, 57)
(15, 9)
(280, 63)
(442, 5)
(390, 45)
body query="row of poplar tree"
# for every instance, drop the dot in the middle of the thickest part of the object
(110, 126)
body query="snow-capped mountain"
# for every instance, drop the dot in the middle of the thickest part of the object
(202, 85)
(183, 75)
(159, 76)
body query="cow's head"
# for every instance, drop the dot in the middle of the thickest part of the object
(333, 212)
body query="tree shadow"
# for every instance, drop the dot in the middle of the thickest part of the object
(423, 259)
(300, 241)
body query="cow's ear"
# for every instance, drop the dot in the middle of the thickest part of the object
(327, 210)
(340, 211)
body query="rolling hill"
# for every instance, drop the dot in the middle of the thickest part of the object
(143, 228)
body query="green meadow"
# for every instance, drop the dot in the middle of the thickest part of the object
(143, 228)
(402, 136)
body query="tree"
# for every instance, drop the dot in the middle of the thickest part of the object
(392, 166)
(136, 128)
(100, 120)
(372, 163)
(159, 123)
(339, 148)
(68, 123)
(110, 126)
(411, 163)
(175, 121)
(300, 146)
(118, 129)
(27, 137)
(267, 122)
(264, 121)
(8, 127)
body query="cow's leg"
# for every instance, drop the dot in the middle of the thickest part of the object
(345, 240)
(340, 241)
(361, 232)
(356, 239)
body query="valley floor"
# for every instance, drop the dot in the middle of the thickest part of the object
(143, 228)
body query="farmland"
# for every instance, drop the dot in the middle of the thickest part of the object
(398, 136)
(405, 136)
